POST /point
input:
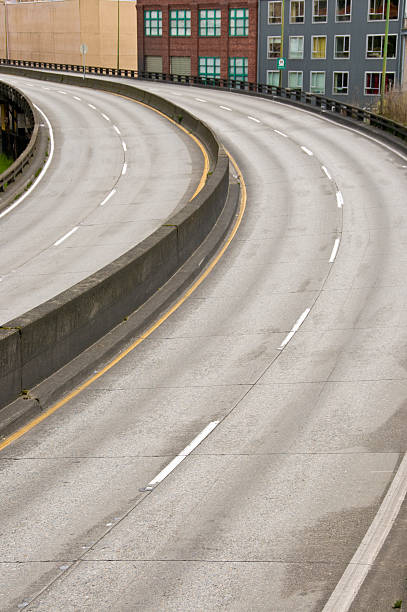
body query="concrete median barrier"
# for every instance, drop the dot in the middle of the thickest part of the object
(43, 340)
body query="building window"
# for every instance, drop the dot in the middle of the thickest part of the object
(239, 22)
(153, 63)
(153, 23)
(180, 65)
(343, 10)
(180, 23)
(273, 78)
(342, 47)
(209, 67)
(238, 68)
(375, 46)
(320, 11)
(297, 11)
(275, 11)
(341, 83)
(377, 10)
(209, 22)
(318, 82)
(273, 46)
(296, 47)
(318, 49)
(373, 82)
(295, 80)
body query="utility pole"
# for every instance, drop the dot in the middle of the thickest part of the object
(282, 41)
(386, 41)
(118, 34)
(6, 28)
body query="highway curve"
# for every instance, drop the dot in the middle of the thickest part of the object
(110, 184)
(291, 356)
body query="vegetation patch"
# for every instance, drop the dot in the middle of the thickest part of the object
(394, 106)
(5, 162)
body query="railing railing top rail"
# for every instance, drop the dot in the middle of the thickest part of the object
(297, 95)
(23, 104)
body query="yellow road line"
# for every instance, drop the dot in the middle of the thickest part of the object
(23, 430)
(190, 134)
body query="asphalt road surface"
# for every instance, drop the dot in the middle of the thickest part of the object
(110, 184)
(291, 356)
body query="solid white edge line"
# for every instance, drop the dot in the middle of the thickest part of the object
(307, 151)
(105, 117)
(295, 328)
(253, 119)
(124, 146)
(225, 108)
(334, 251)
(182, 455)
(281, 133)
(339, 199)
(72, 231)
(352, 579)
(43, 171)
(91, 106)
(327, 172)
(107, 198)
(124, 170)
(116, 129)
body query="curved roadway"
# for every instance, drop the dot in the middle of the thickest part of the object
(110, 184)
(293, 350)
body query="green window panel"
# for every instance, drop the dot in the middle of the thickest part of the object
(238, 68)
(318, 82)
(273, 78)
(180, 23)
(295, 79)
(239, 22)
(153, 23)
(209, 67)
(209, 22)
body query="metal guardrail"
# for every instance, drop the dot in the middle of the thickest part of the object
(309, 99)
(24, 105)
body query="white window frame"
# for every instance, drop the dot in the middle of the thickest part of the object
(343, 20)
(380, 81)
(341, 36)
(303, 20)
(384, 12)
(336, 93)
(268, 46)
(296, 72)
(382, 36)
(313, 14)
(273, 72)
(268, 15)
(312, 46)
(289, 47)
(310, 81)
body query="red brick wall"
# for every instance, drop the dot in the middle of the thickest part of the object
(194, 46)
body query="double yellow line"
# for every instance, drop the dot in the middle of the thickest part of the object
(243, 198)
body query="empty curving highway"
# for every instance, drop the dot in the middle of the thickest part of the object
(279, 387)
(110, 183)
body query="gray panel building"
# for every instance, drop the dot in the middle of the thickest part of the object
(332, 47)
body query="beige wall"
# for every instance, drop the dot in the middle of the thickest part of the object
(53, 31)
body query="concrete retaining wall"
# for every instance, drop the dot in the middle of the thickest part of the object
(37, 344)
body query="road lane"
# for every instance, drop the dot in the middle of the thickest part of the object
(60, 234)
(269, 509)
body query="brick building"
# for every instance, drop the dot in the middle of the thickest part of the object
(215, 39)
